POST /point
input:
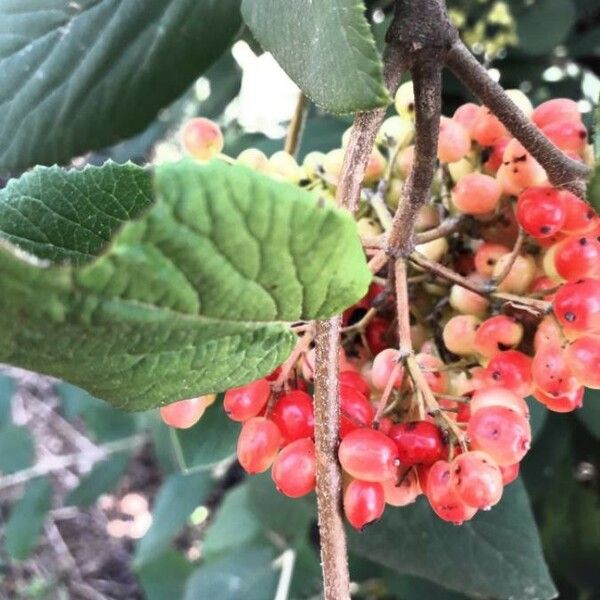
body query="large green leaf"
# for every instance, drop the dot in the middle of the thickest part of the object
(16, 448)
(193, 297)
(27, 519)
(165, 576)
(497, 555)
(325, 46)
(589, 413)
(82, 75)
(593, 191)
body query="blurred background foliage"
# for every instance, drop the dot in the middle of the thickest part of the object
(167, 514)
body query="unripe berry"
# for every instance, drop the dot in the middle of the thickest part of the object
(202, 138)
(433, 371)
(243, 403)
(368, 227)
(486, 257)
(375, 167)
(418, 442)
(487, 128)
(497, 334)
(313, 164)
(364, 502)
(404, 101)
(566, 135)
(519, 169)
(444, 498)
(254, 159)
(332, 164)
(460, 168)
(257, 444)
(548, 332)
(477, 479)
(459, 334)
(294, 469)
(293, 415)
(502, 433)
(454, 142)
(403, 489)
(498, 396)
(476, 194)
(521, 100)
(183, 414)
(383, 365)
(556, 110)
(467, 115)
(521, 273)
(396, 132)
(369, 455)
(284, 165)
(434, 250)
(404, 163)
(495, 154)
(467, 302)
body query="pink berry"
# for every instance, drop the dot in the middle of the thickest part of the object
(476, 194)
(183, 414)
(294, 469)
(369, 455)
(243, 403)
(477, 479)
(257, 445)
(364, 503)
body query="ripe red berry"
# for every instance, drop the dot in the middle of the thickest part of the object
(495, 154)
(444, 498)
(364, 502)
(567, 135)
(550, 371)
(555, 110)
(418, 442)
(578, 257)
(502, 433)
(583, 358)
(402, 489)
(257, 444)
(577, 305)
(293, 414)
(294, 469)
(477, 479)
(512, 370)
(541, 211)
(183, 414)
(243, 403)
(497, 334)
(487, 129)
(377, 335)
(355, 410)
(509, 473)
(369, 455)
(563, 403)
(354, 380)
(579, 215)
(486, 257)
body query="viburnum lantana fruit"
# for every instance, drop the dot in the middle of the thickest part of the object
(450, 423)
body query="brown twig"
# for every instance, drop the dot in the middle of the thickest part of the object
(513, 257)
(562, 171)
(334, 560)
(294, 133)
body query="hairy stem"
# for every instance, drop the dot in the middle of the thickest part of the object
(294, 133)
(562, 171)
(334, 562)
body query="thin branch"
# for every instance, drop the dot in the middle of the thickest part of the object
(362, 138)
(513, 257)
(334, 562)
(294, 133)
(562, 171)
(427, 81)
(445, 228)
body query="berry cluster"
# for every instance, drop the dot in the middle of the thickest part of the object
(504, 296)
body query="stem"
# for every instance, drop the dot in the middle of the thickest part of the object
(445, 228)
(336, 579)
(513, 257)
(427, 81)
(362, 138)
(562, 171)
(402, 303)
(294, 133)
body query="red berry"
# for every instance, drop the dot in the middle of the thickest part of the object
(355, 410)
(294, 469)
(354, 380)
(454, 141)
(257, 444)
(497, 334)
(509, 473)
(557, 109)
(383, 365)
(294, 416)
(487, 129)
(566, 135)
(579, 215)
(444, 498)
(550, 371)
(377, 335)
(467, 114)
(202, 138)
(476, 194)
(418, 442)
(563, 403)
(183, 414)
(512, 370)
(477, 479)
(402, 489)
(368, 454)
(577, 305)
(502, 433)
(541, 211)
(496, 152)
(433, 371)
(578, 257)
(498, 396)
(243, 403)
(487, 256)
(364, 502)
(583, 358)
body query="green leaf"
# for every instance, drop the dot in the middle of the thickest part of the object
(103, 478)
(593, 191)
(27, 518)
(207, 443)
(16, 448)
(235, 524)
(498, 554)
(325, 46)
(543, 24)
(193, 297)
(82, 75)
(176, 500)
(164, 578)
(538, 414)
(7, 389)
(246, 573)
(589, 413)
(596, 134)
